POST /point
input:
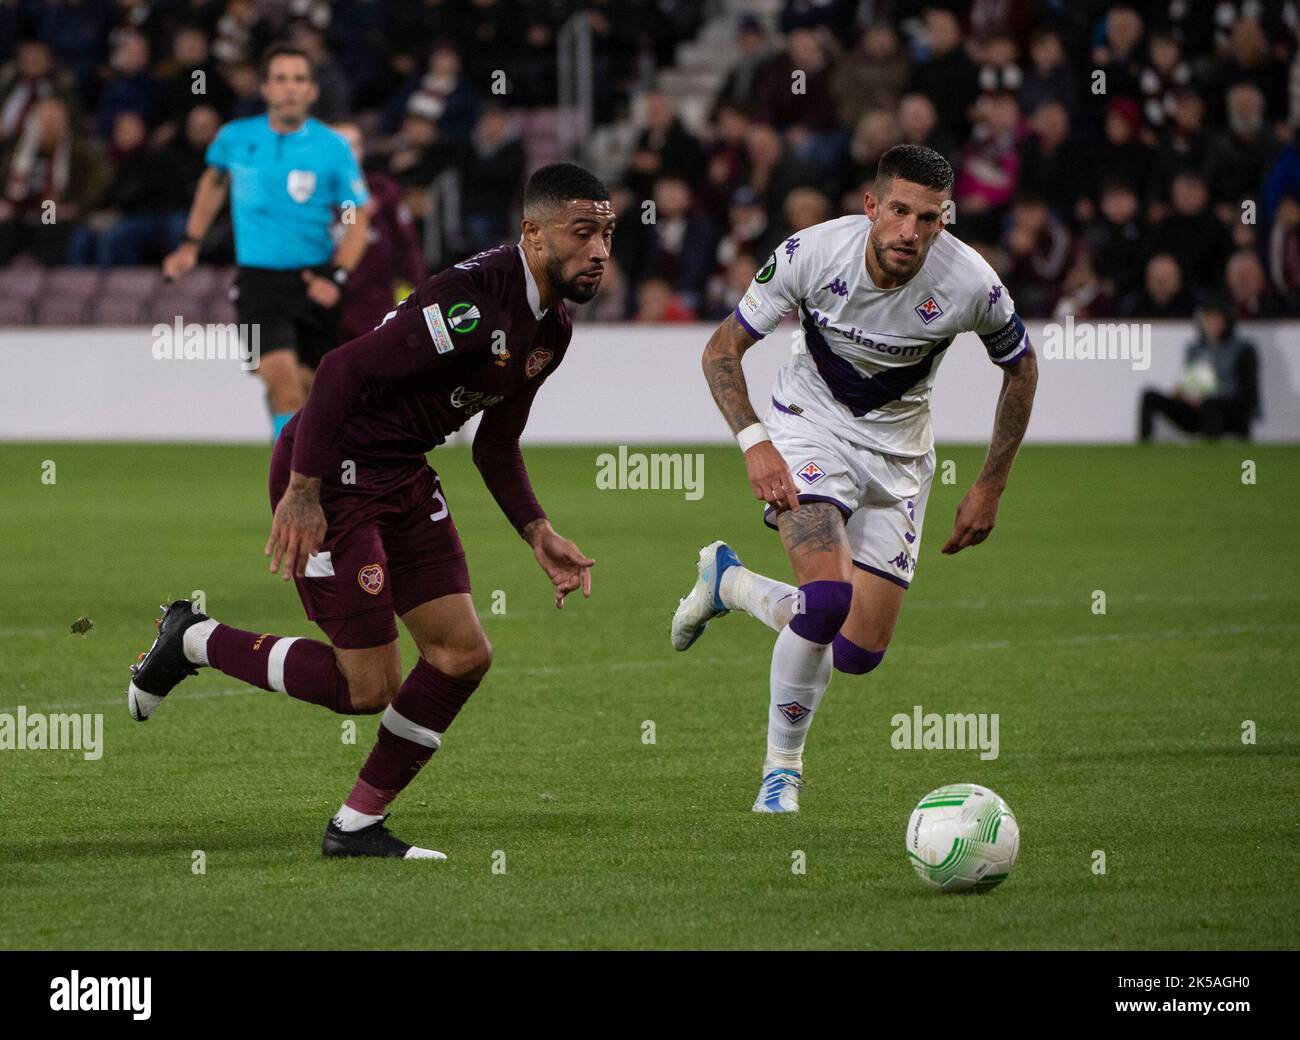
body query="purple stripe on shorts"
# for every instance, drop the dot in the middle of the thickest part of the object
(901, 582)
(769, 512)
(748, 327)
(782, 408)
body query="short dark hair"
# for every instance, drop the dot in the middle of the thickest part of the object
(915, 163)
(562, 182)
(282, 50)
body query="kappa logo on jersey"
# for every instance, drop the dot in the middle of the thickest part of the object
(791, 244)
(371, 578)
(794, 711)
(838, 287)
(537, 360)
(437, 328)
(995, 294)
(929, 310)
(463, 317)
(301, 185)
(767, 270)
(812, 473)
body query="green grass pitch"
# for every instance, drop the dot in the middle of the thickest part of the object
(1119, 732)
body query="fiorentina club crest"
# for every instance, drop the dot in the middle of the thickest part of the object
(371, 578)
(537, 361)
(794, 711)
(929, 310)
(812, 473)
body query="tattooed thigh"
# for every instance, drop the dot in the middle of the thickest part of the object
(815, 542)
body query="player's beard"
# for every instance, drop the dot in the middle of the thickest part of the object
(571, 288)
(892, 266)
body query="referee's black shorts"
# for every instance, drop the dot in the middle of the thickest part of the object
(277, 302)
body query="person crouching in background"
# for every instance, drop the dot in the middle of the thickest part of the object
(1219, 389)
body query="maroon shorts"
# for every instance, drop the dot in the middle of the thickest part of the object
(383, 554)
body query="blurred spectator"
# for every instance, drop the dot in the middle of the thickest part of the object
(1248, 288)
(49, 175)
(872, 77)
(874, 135)
(1184, 144)
(947, 76)
(1240, 155)
(679, 245)
(244, 81)
(1248, 60)
(1284, 253)
(664, 147)
(990, 165)
(439, 93)
(773, 171)
(656, 302)
(1119, 55)
(1165, 73)
(1048, 77)
(806, 116)
(132, 86)
(748, 229)
(188, 77)
(28, 79)
(140, 217)
(1163, 294)
(1116, 238)
(240, 33)
(1038, 247)
(918, 123)
(1053, 165)
(727, 287)
(491, 172)
(1218, 391)
(724, 161)
(1192, 234)
(1085, 294)
(1123, 156)
(334, 101)
(803, 208)
(740, 88)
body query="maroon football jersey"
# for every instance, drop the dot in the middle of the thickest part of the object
(472, 338)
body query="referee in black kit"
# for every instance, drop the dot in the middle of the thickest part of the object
(289, 177)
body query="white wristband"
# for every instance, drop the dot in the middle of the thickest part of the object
(754, 433)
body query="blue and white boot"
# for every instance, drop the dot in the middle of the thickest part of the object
(704, 602)
(779, 791)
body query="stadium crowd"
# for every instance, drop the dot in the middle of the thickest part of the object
(1112, 159)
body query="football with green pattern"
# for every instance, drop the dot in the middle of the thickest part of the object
(962, 838)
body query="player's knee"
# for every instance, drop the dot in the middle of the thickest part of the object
(371, 694)
(821, 609)
(852, 659)
(470, 660)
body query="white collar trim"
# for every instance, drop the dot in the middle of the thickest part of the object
(530, 286)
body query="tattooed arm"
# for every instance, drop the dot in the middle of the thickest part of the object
(979, 509)
(769, 476)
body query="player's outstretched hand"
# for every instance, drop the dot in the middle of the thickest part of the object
(976, 515)
(770, 478)
(296, 532)
(564, 563)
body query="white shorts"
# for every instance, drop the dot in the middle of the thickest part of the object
(882, 497)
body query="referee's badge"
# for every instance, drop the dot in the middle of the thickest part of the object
(301, 184)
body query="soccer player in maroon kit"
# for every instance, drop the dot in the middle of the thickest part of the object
(361, 521)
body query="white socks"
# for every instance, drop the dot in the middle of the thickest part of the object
(767, 599)
(194, 643)
(347, 819)
(801, 671)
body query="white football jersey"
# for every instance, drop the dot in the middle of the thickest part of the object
(865, 358)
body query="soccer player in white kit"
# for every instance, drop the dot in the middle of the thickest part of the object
(845, 456)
